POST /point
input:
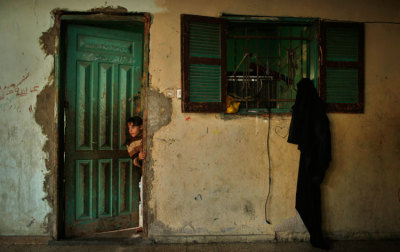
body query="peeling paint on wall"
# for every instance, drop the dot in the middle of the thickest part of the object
(46, 117)
(48, 40)
(159, 115)
(110, 9)
(160, 110)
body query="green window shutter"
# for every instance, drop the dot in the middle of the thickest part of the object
(342, 66)
(203, 64)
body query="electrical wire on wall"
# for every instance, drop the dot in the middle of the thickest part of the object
(269, 168)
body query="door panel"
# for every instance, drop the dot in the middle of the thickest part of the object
(103, 70)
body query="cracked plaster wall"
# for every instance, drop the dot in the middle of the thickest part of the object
(207, 177)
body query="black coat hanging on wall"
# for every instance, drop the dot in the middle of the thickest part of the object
(309, 129)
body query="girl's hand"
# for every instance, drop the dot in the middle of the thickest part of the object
(142, 155)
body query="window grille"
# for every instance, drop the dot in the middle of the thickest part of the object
(265, 61)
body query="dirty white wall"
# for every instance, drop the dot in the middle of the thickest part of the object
(211, 175)
(207, 176)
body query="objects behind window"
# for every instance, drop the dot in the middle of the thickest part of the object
(264, 63)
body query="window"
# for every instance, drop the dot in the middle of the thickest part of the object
(255, 64)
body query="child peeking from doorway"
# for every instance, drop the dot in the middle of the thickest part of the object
(135, 150)
(135, 145)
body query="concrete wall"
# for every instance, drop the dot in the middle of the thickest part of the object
(207, 176)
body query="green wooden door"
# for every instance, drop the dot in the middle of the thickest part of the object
(103, 77)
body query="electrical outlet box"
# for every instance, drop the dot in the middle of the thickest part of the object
(179, 93)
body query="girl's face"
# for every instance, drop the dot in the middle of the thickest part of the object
(133, 130)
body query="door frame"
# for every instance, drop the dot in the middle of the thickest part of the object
(62, 20)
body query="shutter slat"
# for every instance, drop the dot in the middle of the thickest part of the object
(205, 83)
(342, 85)
(205, 40)
(342, 43)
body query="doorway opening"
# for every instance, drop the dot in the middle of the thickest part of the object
(102, 62)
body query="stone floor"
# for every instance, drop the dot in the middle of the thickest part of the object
(100, 246)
